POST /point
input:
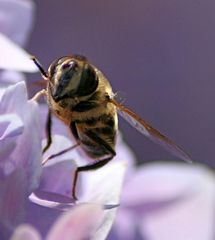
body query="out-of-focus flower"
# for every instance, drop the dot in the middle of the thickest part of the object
(16, 20)
(79, 223)
(14, 58)
(164, 201)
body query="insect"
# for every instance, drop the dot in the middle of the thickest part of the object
(81, 96)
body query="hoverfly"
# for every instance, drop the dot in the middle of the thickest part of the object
(81, 96)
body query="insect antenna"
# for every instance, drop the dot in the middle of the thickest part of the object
(37, 63)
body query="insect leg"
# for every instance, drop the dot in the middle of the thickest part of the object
(95, 165)
(48, 131)
(60, 153)
(49, 137)
(39, 94)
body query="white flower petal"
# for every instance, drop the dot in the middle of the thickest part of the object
(13, 126)
(51, 200)
(104, 186)
(13, 57)
(28, 152)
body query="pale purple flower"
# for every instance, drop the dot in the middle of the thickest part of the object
(20, 155)
(16, 20)
(164, 201)
(21, 170)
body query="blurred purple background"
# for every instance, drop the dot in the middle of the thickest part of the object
(160, 53)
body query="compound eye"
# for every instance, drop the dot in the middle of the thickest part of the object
(70, 65)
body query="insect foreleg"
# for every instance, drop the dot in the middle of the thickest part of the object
(96, 165)
(39, 94)
(48, 131)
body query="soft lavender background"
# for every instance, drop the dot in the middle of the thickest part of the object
(161, 53)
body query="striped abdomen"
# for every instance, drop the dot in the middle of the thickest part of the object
(93, 132)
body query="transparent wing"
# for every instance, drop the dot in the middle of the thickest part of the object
(150, 132)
